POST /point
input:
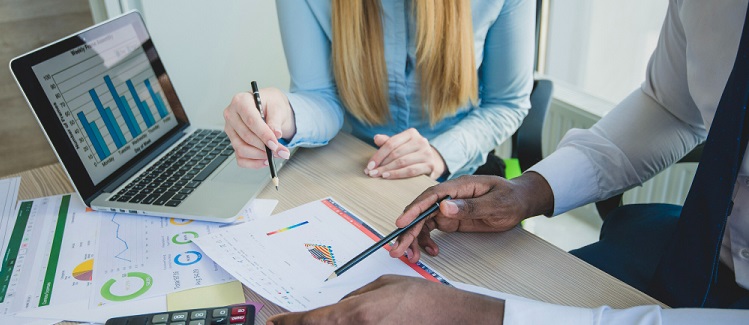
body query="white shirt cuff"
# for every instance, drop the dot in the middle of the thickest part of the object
(571, 177)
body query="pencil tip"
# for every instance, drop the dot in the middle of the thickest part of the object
(332, 276)
(275, 182)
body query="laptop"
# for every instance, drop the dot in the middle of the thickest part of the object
(110, 112)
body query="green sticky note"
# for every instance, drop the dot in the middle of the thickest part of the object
(512, 168)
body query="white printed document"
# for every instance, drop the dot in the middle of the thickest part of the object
(287, 257)
(141, 257)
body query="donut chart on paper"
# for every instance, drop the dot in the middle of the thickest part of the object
(188, 258)
(182, 238)
(106, 289)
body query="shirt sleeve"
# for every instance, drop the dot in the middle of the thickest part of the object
(318, 112)
(506, 81)
(523, 311)
(648, 131)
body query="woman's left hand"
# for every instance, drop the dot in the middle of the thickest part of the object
(404, 155)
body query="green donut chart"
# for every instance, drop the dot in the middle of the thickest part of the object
(106, 289)
(176, 240)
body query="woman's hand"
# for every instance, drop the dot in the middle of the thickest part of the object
(393, 299)
(479, 204)
(249, 134)
(404, 155)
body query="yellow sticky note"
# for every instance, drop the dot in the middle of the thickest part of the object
(229, 293)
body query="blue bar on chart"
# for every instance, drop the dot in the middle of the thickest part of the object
(116, 127)
(109, 121)
(126, 112)
(157, 100)
(145, 112)
(94, 135)
(135, 127)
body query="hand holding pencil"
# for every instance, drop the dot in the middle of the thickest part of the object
(478, 204)
(252, 130)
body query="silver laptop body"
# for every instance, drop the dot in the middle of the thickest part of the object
(108, 108)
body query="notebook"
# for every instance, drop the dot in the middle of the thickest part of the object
(113, 118)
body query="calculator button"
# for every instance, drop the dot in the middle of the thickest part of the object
(198, 314)
(177, 323)
(220, 312)
(197, 322)
(138, 320)
(219, 320)
(236, 311)
(176, 317)
(237, 319)
(160, 318)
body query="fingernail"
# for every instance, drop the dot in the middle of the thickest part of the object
(366, 171)
(373, 172)
(409, 252)
(284, 154)
(272, 145)
(265, 162)
(371, 165)
(385, 174)
(278, 133)
(451, 207)
(429, 250)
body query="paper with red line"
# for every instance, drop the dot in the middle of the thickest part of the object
(287, 257)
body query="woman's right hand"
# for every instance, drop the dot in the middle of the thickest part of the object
(249, 134)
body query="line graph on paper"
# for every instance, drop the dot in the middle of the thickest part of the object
(126, 243)
(126, 249)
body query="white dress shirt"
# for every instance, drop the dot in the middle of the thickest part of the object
(648, 131)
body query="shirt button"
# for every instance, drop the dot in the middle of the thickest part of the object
(746, 181)
(744, 253)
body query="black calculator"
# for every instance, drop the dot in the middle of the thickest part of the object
(227, 315)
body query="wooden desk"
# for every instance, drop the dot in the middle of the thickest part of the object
(515, 262)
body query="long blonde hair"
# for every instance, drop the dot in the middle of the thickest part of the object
(445, 57)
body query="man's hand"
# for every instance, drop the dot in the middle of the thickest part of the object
(395, 299)
(404, 155)
(479, 204)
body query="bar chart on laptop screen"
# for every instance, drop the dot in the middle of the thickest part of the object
(108, 99)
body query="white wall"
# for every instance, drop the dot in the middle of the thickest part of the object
(212, 50)
(603, 46)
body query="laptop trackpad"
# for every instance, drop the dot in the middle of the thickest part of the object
(231, 173)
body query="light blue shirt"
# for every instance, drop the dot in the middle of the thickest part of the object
(503, 41)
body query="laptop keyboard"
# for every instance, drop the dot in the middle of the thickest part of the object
(170, 181)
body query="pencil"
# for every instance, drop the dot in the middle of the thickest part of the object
(384, 241)
(271, 164)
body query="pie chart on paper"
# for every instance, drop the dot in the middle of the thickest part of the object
(84, 271)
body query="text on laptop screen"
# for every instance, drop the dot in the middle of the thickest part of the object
(108, 99)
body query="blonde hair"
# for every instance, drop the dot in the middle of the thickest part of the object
(445, 57)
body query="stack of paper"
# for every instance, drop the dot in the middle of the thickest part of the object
(64, 261)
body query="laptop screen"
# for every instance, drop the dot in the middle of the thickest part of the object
(102, 97)
(107, 98)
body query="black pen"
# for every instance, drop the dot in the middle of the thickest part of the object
(271, 164)
(384, 241)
